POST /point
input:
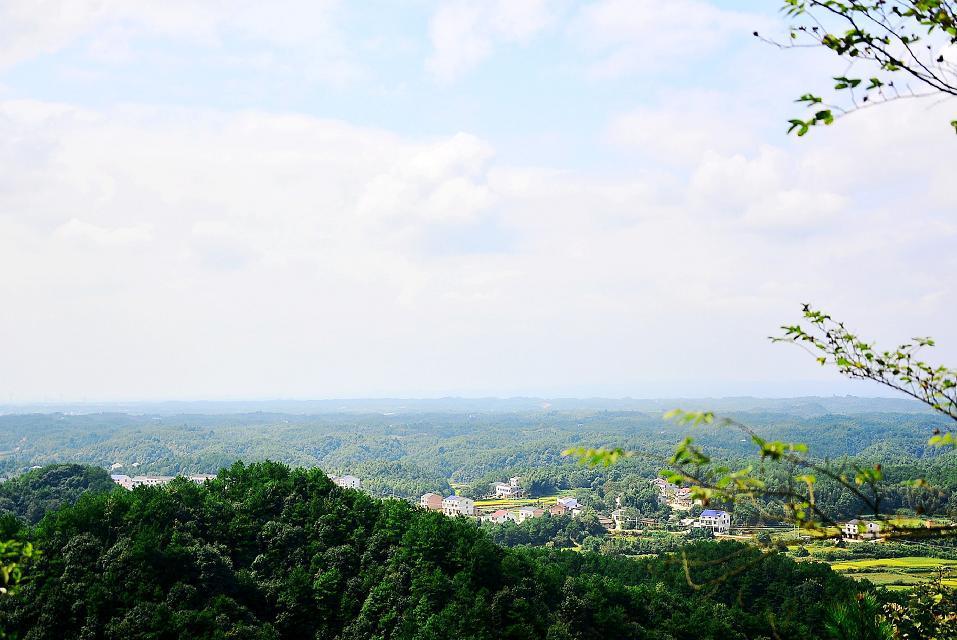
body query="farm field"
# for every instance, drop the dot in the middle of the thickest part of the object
(898, 572)
(516, 503)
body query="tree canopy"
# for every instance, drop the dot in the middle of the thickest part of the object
(265, 551)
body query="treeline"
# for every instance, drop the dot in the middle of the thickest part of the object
(39, 491)
(560, 532)
(269, 552)
(408, 455)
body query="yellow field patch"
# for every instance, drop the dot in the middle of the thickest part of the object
(515, 503)
(902, 563)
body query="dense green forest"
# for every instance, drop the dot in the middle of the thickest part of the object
(269, 552)
(39, 491)
(409, 454)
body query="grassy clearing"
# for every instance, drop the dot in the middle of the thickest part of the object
(888, 579)
(515, 503)
(918, 562)
(898, 573)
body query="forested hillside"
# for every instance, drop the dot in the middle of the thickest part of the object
(268, 552)
(39, 491)
(410, 454)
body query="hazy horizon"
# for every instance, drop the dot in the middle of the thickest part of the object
(451, 404)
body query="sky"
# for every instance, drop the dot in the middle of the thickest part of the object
(418, 198)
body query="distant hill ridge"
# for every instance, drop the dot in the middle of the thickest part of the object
(802, 406)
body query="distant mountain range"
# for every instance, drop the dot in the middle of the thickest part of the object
(803, 406)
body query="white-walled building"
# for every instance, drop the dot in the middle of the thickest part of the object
(529, 512)
(856, 529)
(718, 521)
(569, 503)
(500, 516)
(123, 480)
(127, 482)
(458, 505)
(151, 481)
(347, 482)
(431, 501)
(511, 489)
(681, 499)
(623, 522)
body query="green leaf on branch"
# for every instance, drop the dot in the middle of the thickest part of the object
(694, 418)
(596, 457)
(687, 453)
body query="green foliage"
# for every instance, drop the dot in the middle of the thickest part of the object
(897, 44)
(268, 552)
(928, 611)
(901, 369)
(599, 456)
(560, 532)
(31, 495)
(789, 484)
(15, 555)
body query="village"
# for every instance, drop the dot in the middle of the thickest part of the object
(496, 507)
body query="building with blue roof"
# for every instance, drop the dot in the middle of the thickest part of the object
(718, 521)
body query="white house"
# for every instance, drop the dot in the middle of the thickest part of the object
(347, 482)
(529, 512)
(856, 529)
(458, 505)
(500, 516)
(200, 478)
(510, 489)
(123, 480)
(622, 521)
(664, 486)
(666, 490)
(431, 501)
(682, 498)
(150, 481)
(718, 521)
(569, 503)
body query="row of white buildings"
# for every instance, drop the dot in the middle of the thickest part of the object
(564, 506)
(450, 506)
(131, 482)
(128, 482)
(462, 506)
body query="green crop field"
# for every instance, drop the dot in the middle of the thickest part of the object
(918, 562)
(898, 572)
(515, 503)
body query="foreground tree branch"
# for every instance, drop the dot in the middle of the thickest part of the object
(894, 50)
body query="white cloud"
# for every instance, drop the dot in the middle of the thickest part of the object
(466, 32)
(30, 28)
(685, 125)
(627, 36)
(301, 29)
(90, 234)
(262, 254)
